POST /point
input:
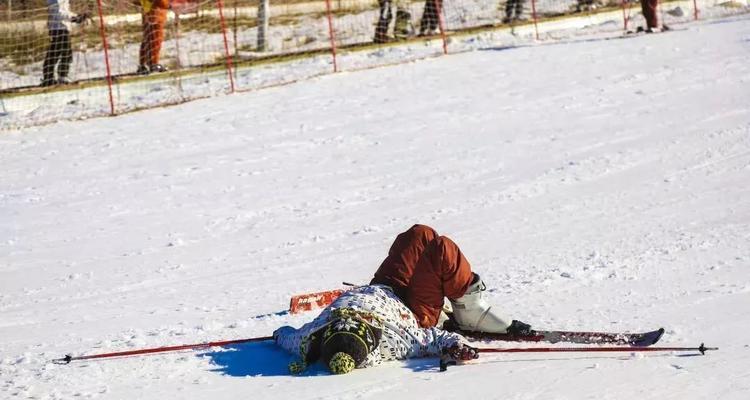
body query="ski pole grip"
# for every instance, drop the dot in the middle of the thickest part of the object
(446, 360)
(63, 361)
(444, 363)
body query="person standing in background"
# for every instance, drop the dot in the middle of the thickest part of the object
(513, 10)
(430, 18)
(585, 5)
(154, 17)
(649, 8)
(59, 54)
(403, 27)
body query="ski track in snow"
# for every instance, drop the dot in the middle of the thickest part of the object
(593, 184)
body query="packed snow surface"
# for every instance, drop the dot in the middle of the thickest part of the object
(594, 184)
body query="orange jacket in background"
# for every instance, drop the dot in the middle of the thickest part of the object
(154, 19)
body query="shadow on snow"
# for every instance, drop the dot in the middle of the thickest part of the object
(251, 359)
(268, 359)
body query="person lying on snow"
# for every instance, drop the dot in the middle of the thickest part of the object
(397, 315)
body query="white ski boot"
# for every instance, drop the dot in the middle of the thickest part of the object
(472, 313)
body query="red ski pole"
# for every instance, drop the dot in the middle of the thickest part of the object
(445, 362)
(68, 358)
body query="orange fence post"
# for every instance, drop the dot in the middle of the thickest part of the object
(226, 44)
(331, 35)
(441, 24)
(695, 9)
(103, 33)
(533, 15)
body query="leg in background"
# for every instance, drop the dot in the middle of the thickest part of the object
(158, 22)
(145, 52)
(66, 58)
(384, 21)
(649, 8)
(54, 53)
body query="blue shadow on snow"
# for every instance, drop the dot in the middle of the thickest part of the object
(268, 359)
(256, 359)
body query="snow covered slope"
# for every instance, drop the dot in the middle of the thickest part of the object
(595, 184)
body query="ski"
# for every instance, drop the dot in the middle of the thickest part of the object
(642, 339)
(309, 301)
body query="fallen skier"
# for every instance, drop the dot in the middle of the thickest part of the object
(397, 316)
